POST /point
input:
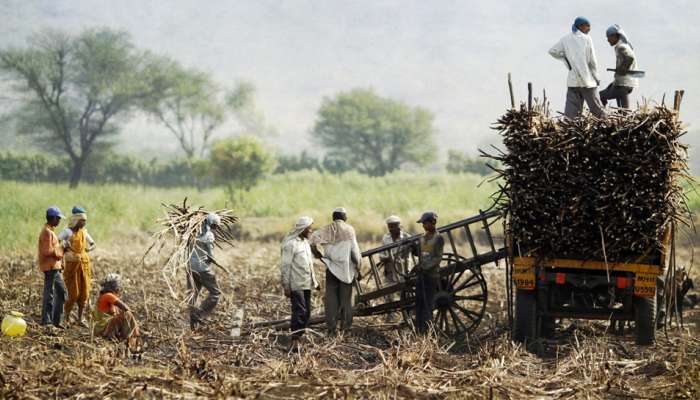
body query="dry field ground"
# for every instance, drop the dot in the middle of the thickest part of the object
(376, 360)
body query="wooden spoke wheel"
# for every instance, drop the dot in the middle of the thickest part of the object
(460, 300)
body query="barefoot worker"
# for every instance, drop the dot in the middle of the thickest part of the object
(49, 255)
(77, 273)
(297, 275)
(114, 319)
(427, 271)
(341, 255)
(201, 274)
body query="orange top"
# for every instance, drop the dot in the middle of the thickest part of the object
(107, 303)
(49, 252)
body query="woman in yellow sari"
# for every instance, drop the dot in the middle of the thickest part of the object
(77, 271)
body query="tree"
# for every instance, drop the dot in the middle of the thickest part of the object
(375, 135)
(458, 162)
(241, 100)
(240, 163)
(189, 109)
(76, 87)
(303, 161)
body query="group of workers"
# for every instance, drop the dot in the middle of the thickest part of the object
(341, 256)
(63, 258)
(577, 52)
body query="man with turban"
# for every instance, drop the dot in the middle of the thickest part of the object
(623, 84)
(297, 275)
(394, 260)
(577, 52)
(201, 274)
(77, 273)
(342, 257)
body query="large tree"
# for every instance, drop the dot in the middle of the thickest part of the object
(239, 163)
(190, 109)
(76, 87)
(372, 134)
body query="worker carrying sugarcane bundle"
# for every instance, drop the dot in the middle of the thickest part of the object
(201, 274)
(625, 67)
(77, 269)
(577, 52)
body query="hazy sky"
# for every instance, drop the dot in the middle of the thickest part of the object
(451, 57)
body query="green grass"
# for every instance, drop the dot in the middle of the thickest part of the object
(117, 214)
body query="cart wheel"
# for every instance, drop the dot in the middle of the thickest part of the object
(460, 300)
(645, 320)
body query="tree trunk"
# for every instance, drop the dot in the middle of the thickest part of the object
(76, 172)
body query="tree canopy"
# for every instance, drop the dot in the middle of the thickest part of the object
(372, 134)
(76, 86)
(239, 163)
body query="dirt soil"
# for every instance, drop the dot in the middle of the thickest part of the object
(376, 360)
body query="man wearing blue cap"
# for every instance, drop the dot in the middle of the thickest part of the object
(577, 52)
(427, 270)
(49, 256)
(623, 83)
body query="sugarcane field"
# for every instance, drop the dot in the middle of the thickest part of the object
(349, 200)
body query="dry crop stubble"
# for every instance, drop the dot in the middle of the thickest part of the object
(376, 361)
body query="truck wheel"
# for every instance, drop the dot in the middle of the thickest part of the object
(525, 321)
(645, 320)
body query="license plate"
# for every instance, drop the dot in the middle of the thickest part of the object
(645, 285)
(524, 278)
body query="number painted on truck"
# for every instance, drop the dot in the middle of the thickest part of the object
(524, 278)
(645, 285)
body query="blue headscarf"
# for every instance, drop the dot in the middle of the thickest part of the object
(78, 210)
(578, 22)
(617, 29)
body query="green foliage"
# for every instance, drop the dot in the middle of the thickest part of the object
(301, 162)
(189, 108)
(240, 163)
(458, 162)
(76, 86)
(372, 134)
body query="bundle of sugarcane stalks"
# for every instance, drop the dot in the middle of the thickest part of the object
(590, 188)
(183, 225)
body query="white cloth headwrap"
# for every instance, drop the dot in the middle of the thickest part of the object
(617, 29)
(339, 210)
(393, 220)
(301, 224)
(213, 219)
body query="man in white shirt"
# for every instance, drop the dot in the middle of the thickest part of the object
(341, 255)
(297, 275)
(576, 51)
(623, 83)
(394, 260)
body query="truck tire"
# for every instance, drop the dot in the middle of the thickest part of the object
(645, 320)
(525, 321)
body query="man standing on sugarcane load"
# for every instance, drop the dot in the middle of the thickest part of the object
(201, 274)
(577, 52)
(394, 260)
(623, 84)
(427, 271)
(297, 275)
(77, 271)
(49, 256)
(341, 255)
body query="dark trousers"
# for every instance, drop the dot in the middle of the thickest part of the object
(338, 303)
(620, 93)
(575, 96)
(195, 282)
(301, 311)
(426, 285)
(53, 298)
